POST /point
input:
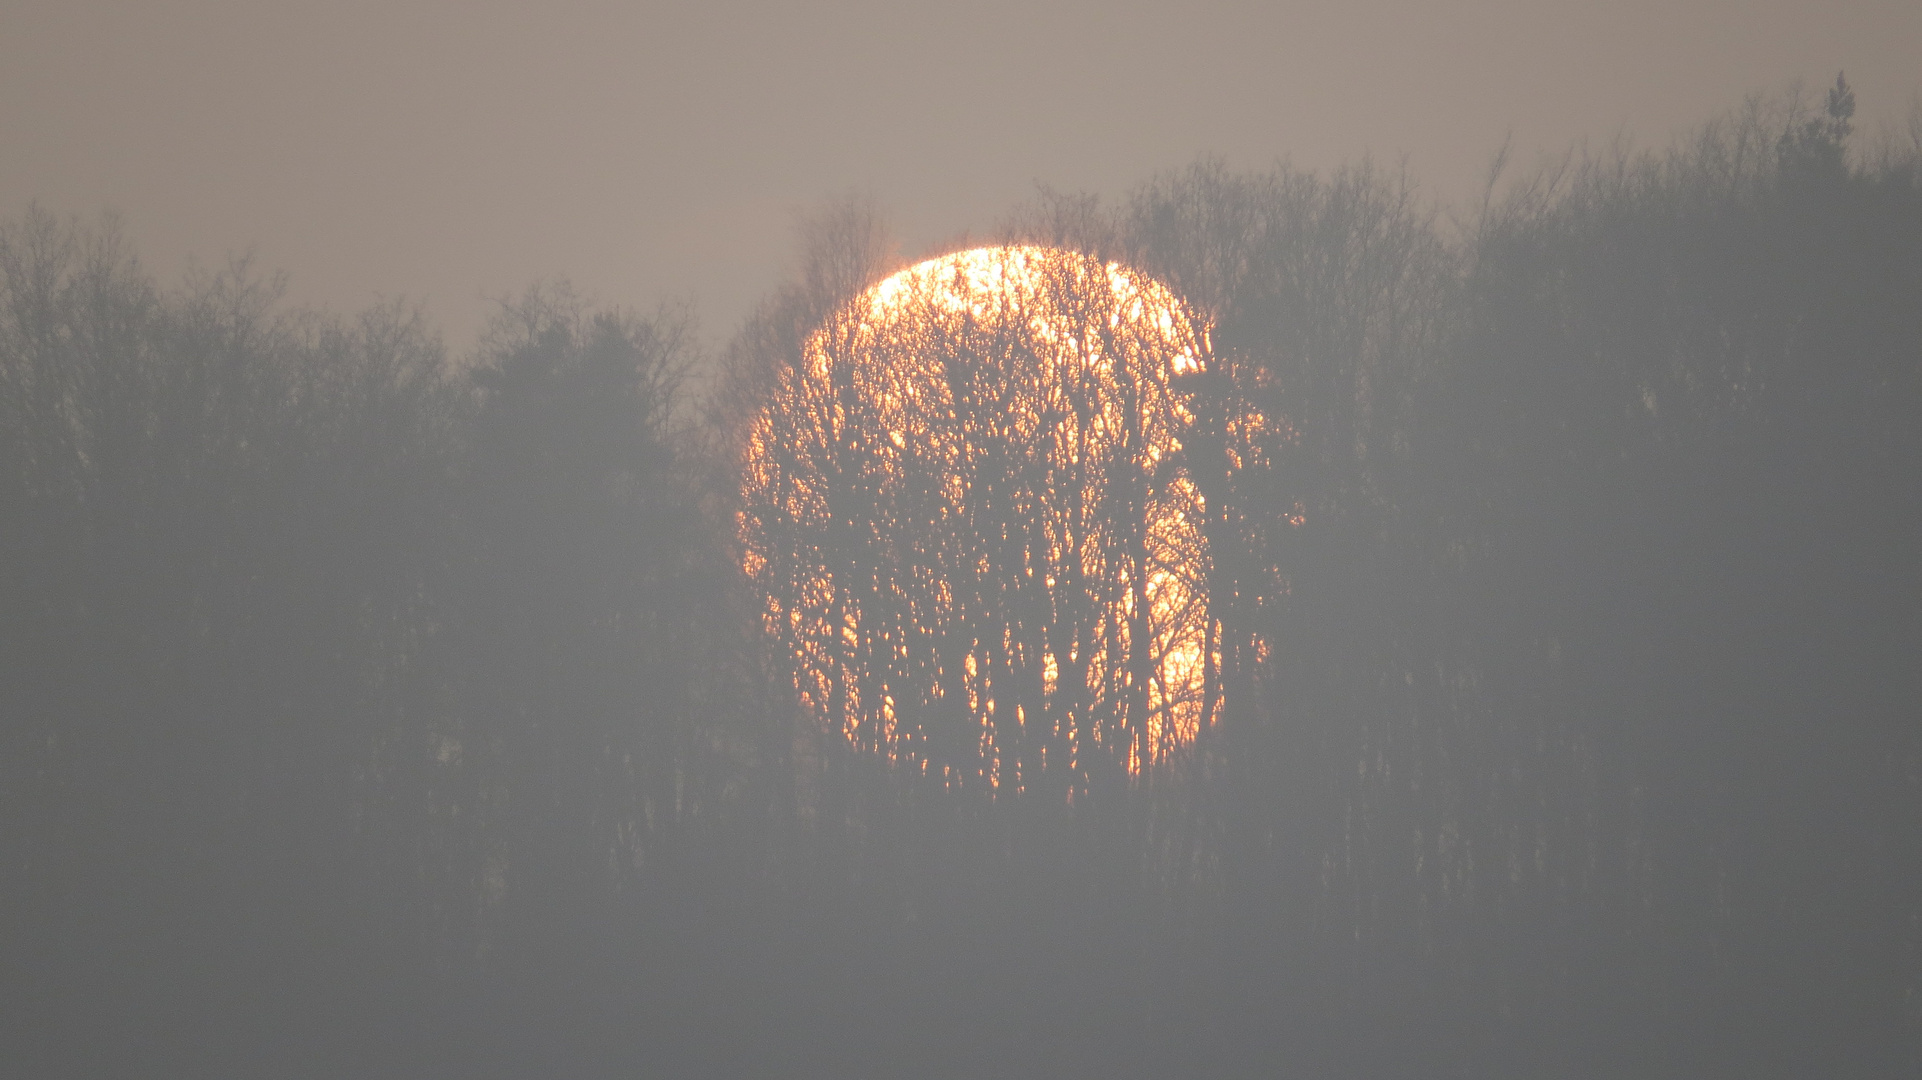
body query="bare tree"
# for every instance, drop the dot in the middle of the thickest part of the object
(968, 509)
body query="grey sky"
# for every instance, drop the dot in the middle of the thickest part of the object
(446, 151)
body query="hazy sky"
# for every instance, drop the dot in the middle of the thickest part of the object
(450, 151)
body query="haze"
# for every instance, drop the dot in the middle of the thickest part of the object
(448, 152)
(1041, 541)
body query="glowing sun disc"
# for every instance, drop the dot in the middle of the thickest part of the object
(966, 510)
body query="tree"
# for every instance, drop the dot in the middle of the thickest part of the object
(575, 608)
(966, 506)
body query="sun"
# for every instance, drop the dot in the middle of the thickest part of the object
(968, 515)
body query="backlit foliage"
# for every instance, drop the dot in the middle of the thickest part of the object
(968, 515)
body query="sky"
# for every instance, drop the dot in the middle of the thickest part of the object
(451, 153)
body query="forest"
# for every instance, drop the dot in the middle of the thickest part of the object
(367, 710)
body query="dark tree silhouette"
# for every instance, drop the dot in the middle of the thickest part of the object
(1484, 649)
(967, 509)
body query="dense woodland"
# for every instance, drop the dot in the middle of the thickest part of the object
(370, 711)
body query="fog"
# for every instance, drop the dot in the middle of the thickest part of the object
(1037, 543)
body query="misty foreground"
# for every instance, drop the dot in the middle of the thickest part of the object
(367, 714)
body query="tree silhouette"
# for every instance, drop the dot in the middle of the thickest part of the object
(968, 508)
(1416, 651)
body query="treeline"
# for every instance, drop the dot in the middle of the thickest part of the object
(328, 660)
(1591, 691)
(370, 711)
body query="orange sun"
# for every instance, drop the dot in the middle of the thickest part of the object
(968, 515)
